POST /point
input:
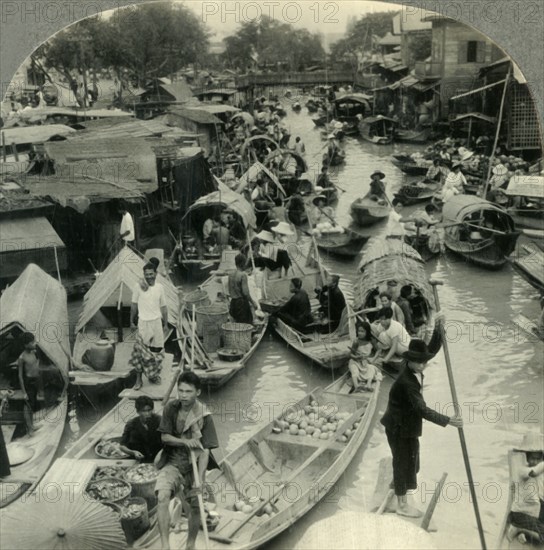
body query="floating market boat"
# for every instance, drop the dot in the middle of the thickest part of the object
(348, 244)
(529, 327)
(508, 533)
(366, 211)
(409, 166)
(528, 261)
(296, 107)
(413, 136)
(423, 245)
(387, 260)
(377, 129)
(526, 207)
(414, 193)
(35, 303)
(321, 120)
(251, 501)
(196, 257)
(106, 311)
(479, 231)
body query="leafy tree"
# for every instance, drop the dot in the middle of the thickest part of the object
(420, 47)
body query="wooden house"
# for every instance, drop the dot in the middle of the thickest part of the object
(458, 54)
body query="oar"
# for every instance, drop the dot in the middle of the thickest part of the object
(323, 212)
(457, 411)
(196, 475)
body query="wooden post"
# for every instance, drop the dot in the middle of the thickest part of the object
(120, 314)
(193, 343)
(14, 150)
(432, 505)
(497, 132)
(57, 263)
(469, 131)
(4, 156)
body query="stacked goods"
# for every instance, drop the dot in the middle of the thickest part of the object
(102, 472)
(249, 504)
(143, 478)
(318, 422)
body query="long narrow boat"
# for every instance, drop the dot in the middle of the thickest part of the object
(417, 192)
(377, 129)
(106, 309)
(348, 244)
(215, 367)
(36, 303)
(479, 231)
(274, 464)
(386, 260)
(409, 166)
(528, 261)
(508, 534)
(413, 136)
(366, 211)
(423, 247)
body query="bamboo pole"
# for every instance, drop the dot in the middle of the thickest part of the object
(57, 263)
(460, 430)
(193, 336)
(497, 132)
(4, 156)
(120, 314)
(198, 484)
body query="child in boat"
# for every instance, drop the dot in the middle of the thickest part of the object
(527, 513)
(29, 373)
(363, 372)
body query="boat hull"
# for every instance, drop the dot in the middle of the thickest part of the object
(366, 212)
(347, 245)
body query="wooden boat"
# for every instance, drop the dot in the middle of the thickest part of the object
(106, 308)
(337, 157)
(528, 260)
(272, 460)
(386, 260)
(312, 105)
(507, 531)
(348, 244)
(417, 192)
(320, 120)
(409, 166)
(366, 211)
(420, 243)
(479, 231)
(529, 190)
(214, 369)
(296, 107)
(37, 303)
(529, 327)
(413, 136)
(377, 129)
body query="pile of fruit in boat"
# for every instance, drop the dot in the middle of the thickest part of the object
(313, 420)
(249, 504)
(133, 510)
(110, 448)
(109, 471)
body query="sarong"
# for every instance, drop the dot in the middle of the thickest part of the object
(146, 361)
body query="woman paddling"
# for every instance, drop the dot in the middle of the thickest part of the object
(240, 304)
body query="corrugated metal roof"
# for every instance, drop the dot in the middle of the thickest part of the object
(63, 111)
(179, 90)
(218, 91)
(216, 109)
(35, 134)
(36, 303)
(125, 270)
(196, 115)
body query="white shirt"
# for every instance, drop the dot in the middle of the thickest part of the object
(149, 302)
(396, 226)
(397, 330)
(127, 224)
(458, 180)
(207, 228)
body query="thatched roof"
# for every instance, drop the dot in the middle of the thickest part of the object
(387, 260)
(121, 276)
(459, 207)
(36, 302)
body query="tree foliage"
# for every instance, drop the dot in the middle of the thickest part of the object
(142, 41)
(359, 37)
(420, 47)
(268, 42)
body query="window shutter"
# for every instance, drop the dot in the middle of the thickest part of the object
(480, 52)
(462, 55)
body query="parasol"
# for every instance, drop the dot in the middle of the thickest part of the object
(71, 523)
(248, 119)
(350, 530)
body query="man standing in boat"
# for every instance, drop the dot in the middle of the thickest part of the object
(149, 311)
(403, 421)
(377, 186)
(332, 302)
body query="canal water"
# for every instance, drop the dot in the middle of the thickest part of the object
(498, 374)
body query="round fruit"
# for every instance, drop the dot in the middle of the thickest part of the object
(293, 429)
(265, 516)
(310, 430)
(268, 509)
(302, 432)
(348, 433)
(313, 403)
(356, 425)
(308, 409)
(303, 425)
(253, 499)
(247, 509)
(239, 505)
(343, 439)
(324, 435)
(316, 434)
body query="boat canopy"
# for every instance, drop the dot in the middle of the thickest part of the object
(116, 283)
(37, 303)
(229, 199)
(373, 119)
(391, 259)
(360, 99)
(253, 172)
(526, 186)
(459, 207)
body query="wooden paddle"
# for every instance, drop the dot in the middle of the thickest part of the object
(455, 400)
(198, 486)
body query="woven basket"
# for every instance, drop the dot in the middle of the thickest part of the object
(198, 298)
(210, 317)
(237, 336)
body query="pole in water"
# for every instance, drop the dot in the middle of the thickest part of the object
(460, 430)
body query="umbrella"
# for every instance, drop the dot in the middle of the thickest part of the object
(248, 119)
(350, 530)
(75, 523)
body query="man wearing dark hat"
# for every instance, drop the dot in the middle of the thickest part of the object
(403, 422)
(377, 186)
(332, 302)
